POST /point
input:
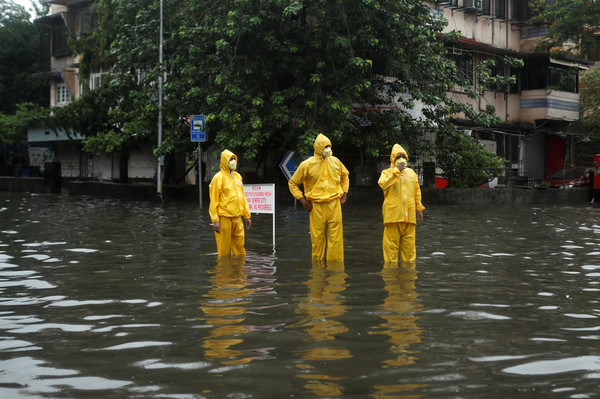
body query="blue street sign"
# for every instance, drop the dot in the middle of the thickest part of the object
(197, 125)
(287, 166)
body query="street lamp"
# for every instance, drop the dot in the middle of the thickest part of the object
(160, 121)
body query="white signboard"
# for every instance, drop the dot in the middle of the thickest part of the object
(261, 197)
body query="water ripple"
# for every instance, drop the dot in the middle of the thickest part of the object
(559, 366)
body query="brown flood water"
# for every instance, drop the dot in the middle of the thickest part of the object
(108, 299)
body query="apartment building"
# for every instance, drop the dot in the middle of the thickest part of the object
(535, 112)
(75, 18)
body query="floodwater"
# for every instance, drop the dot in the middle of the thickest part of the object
(107, 299)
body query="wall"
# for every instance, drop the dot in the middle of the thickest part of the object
(142, 163)
(357, 195)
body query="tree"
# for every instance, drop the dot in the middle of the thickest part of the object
(20, 58)
(13, 127)
(588, 124)
(573, 25)
(269, 75)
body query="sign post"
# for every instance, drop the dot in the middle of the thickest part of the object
(261, 199)
(287, 165)
(198, 135)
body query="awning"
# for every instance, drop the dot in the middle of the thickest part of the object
(568, 63)
(48, 74)
(66, 2)
(70, 78)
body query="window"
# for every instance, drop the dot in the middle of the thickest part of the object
(539, 73)
(98, 78)
(521, 11)
(500, 9)
(486, 7)
(563, 79)
(463, 61)
(497, 71)
(515, 87)
(88, 21)
(63, 95)
(59, 42)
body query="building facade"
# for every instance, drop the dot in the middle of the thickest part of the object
(75, 18)
(534, 112)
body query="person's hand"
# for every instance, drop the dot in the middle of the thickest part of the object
(248, 224)
(401, 166)
(420, 217)
(343, 198)
(217, 227)
(306, 204)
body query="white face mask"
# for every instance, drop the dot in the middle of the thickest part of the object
(327, 152)
(232, 164)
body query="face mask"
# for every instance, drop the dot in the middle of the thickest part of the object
(327, 152)
(399, 161)
(232, 164)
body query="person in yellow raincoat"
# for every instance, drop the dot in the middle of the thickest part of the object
(228, 205)
(325, 180)
(402, 208)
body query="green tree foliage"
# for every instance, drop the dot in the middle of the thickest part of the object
(573, 25)
(467, 163)
(20, 58)
(270, 75)
(589, 93)
(589, 115)
(13, 127)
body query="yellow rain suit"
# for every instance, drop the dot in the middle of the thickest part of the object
(227, 206)
(325, 181)
(402, 202)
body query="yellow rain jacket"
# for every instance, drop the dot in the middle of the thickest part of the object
(324, 179)
(226, 191)
(401, 192)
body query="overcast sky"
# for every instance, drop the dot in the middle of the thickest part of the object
(26, 4)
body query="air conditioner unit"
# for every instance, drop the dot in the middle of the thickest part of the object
(473, 5)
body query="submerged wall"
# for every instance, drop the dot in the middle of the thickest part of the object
(357, 195)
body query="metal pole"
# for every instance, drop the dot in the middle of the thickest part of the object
(273, 217)
(160, 87)
(200, 173)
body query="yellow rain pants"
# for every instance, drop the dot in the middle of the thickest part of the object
(399, 237)
(230, 241)
(326, 231)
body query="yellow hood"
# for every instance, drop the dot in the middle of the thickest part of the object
(397, 150)
(225, 158)
(320, 143)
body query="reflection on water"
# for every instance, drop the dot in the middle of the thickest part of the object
(398, 312)
(318, 314)
(109, 299)
(224, 312)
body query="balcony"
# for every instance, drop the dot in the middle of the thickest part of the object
(544, 104)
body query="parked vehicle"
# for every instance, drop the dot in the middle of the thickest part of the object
(566, 178)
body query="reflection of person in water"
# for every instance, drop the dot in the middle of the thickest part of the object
(319, 315)
(399, 320)
(225, 310)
